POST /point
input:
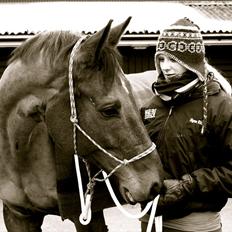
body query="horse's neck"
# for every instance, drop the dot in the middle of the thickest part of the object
(23, 92)
(20, 80)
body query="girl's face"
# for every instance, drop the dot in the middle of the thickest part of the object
(171, 69)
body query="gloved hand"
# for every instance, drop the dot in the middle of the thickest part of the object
(177, 191)
(175, 197)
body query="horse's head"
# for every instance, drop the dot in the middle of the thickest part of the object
(106, 108)
(107, 112)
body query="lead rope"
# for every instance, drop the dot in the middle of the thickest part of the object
(151, 204)
(86, 214)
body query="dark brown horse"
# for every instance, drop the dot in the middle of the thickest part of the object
(37, 175)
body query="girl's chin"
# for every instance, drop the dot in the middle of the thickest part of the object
(170, 78)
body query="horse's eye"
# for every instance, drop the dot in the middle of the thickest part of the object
(110, 112)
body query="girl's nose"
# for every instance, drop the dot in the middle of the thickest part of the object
(166, 65)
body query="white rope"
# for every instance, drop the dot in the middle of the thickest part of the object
(70, 77)
(159, 224)
(121, 162)
(86, 214)
(158, 220)
(118, 204)
(152, 204)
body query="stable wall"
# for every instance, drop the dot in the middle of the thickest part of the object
(139, 60)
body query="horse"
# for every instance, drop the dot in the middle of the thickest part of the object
(64, 94)
(141, 84)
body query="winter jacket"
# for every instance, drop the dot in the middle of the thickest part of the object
(176, 130)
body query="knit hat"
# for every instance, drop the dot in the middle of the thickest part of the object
(182, 41)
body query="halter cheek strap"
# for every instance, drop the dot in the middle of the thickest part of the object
(85, 216)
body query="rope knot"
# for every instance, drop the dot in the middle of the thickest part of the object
(125, 162)
(73, 119)
(90, 186)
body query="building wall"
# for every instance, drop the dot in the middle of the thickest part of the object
(135, 60)
(4, 56)
(221, 58)
(139, 60)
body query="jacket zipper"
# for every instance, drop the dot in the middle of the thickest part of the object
(161, 134)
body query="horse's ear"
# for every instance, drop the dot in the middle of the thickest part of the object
(116, 32)
(96, 42)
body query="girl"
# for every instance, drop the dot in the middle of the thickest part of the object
(191, 125)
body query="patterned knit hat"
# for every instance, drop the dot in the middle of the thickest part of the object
(183, 42)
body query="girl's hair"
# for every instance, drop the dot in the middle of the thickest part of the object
(225, 85)
(219, 78)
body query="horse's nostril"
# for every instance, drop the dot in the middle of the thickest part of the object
(130, 197)
(156, 187)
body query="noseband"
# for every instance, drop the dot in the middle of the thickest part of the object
(85, 216)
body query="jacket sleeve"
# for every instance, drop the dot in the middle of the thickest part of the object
(218, 179)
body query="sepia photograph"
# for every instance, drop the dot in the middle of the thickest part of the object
(115, 116)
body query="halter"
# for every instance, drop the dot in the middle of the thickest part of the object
(85, 216)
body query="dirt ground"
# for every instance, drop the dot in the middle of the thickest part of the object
(115, 220)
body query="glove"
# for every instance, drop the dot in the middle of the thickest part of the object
(175, 197)
(177, 191)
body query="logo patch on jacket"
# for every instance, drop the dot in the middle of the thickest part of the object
(149, 113)
(194, 121)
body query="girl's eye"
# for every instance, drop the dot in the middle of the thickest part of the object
(161, 59)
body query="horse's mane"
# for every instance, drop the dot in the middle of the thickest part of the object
(51, 43)
(56, 46)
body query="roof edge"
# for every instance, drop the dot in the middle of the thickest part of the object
(138, 41)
